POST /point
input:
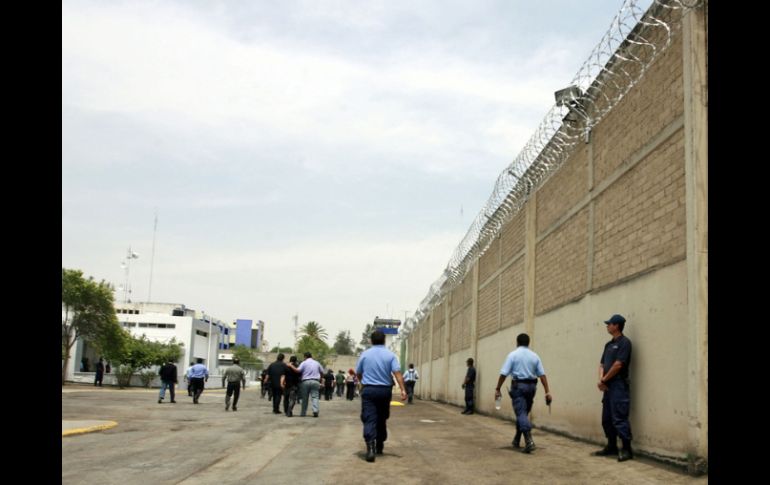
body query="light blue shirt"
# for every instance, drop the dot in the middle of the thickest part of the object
(375, 366)
(198, 370)
(522, 363)
(310, 369)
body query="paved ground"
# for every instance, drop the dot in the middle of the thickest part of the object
(202, 444)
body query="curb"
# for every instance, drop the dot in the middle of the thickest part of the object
(91, 429)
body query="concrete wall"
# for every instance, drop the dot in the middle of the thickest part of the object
(619, 228)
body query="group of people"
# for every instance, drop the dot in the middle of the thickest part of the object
(377, 367)
(196, 376)
(525, 368)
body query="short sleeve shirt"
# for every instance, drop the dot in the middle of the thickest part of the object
(471, 375)
(617, 349)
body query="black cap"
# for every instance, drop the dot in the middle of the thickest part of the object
(615, 319)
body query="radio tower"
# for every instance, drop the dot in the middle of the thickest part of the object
(296, 330)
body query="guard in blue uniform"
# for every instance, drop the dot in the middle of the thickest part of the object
(613, 382)
(374, 369)
(525, 368)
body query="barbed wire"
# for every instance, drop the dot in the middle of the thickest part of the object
(636, 37)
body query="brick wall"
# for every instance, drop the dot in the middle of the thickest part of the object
(639, 221)
(489, 308)
(512, 294)
(561, 263)
(656, 101)
(490, 261)
(512, 237)
(563, 189)
(438, 336)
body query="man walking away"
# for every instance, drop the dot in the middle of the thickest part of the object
(340, 382)
(235, 376)
(198, 374)
(311, 379)
(273, 377)
(168, 378)
(290, 387)
(374, 369)
(524, 367)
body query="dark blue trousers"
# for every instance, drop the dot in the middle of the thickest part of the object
(522, 395)
(469, 396)
(615, 407)
(375, 411)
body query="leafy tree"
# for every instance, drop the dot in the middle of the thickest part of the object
(366, 337)
(142, 353)
(247, 356)
(285, 350)
(344, 343)
(317, 347)
(87, 312)
(313, 330)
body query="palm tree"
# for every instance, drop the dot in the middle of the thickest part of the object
(314, 330)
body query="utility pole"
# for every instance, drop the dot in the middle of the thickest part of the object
(152, 257)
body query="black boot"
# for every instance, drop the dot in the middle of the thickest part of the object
(370, 450)
(517, 440)
(529, 445)
(610, 450)
(625, 453)
(379, 447)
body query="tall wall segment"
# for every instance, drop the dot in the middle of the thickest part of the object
(621, 227)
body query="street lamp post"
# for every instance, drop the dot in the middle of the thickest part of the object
(127, 266)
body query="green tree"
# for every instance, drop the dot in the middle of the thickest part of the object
(285, 350)
(142, 353)
(344, 343)
(317, 347)
(247, 356)
(88, 313)
(366, 337)
(313, 330)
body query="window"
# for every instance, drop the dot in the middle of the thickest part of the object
(128, 324)
(201, 333)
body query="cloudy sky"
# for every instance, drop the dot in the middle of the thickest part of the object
(318, 158)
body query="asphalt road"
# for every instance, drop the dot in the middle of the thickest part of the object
(429, 443)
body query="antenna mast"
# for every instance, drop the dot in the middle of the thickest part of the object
(152, 257)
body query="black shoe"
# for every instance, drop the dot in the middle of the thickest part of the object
(625, 454)
(315, 415)
(465, 411)
(227, 406)
(529, 443)
(195, 401)
(235, 408)
(470, 412)
(160, 401)
(173, 402)
(606, 451)
(379, 447)
(517, 440)
(370, 451)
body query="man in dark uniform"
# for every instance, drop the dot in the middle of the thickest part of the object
(290, 388)
(469, 385)
(613, 382)
(375, 368)
(275, 374)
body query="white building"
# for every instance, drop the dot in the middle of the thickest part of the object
(201, 336)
